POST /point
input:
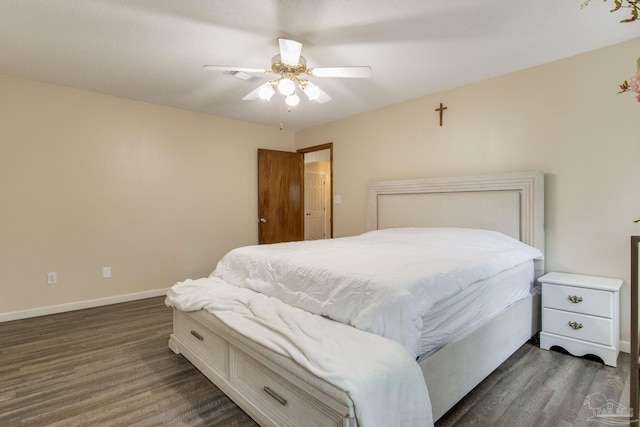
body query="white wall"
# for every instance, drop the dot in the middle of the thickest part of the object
(563, 118)
(88, 180)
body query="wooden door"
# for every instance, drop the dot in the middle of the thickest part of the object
(280, 196)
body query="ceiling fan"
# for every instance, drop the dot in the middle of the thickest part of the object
(291, 74)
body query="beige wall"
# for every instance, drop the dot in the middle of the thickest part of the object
(160, 194)
(88, 180)
(563, 118)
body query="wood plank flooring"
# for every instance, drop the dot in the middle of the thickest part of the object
(110, 366)
(536, 387)
(107, 366)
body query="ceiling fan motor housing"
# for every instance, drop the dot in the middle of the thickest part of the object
(279, 67)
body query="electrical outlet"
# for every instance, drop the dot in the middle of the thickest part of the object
(106, 272)
(52, 278)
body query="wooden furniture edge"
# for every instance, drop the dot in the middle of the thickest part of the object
(634, 376)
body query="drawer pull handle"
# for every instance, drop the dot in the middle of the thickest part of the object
(197, 335)
(575, 299)
(575, 325)
(276, 396)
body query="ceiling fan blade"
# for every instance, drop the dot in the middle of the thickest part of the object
(254, 94)
(323, 97)
(228, 68)
(351, 72)
(290, 51)
(257, 93)
(314, 93)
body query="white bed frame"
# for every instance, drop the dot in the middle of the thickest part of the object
(275, 391)
(511, 203)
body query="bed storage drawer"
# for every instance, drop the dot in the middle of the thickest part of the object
(272, 389)
(208, 345)
(578, 326)
(280, 400)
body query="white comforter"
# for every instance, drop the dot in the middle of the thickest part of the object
(384, 382)
(381, 281)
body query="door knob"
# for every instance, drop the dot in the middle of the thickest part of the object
(262, 220)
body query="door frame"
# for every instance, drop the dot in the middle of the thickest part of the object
(321, 147)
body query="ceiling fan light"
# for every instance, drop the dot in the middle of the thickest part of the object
(286, 86)
(312, 91)
(292, 100)
(266, 92)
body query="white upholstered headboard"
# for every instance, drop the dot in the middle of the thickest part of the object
(512, 203)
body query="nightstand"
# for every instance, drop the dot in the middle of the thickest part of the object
(581, 314)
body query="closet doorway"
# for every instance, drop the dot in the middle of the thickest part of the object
(318, 191)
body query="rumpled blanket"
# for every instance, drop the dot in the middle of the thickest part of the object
(382, 378)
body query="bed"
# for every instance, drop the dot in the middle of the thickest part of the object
(281, 382)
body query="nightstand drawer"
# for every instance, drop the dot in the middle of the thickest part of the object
(587, 301)
(578, 326)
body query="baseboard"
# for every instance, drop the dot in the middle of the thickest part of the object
(625, 346)
(79, 305)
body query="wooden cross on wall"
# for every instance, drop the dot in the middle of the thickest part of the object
(441, 110)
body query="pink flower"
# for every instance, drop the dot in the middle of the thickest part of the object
(635, 85)
(635, 82)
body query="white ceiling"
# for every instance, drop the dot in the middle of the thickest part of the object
(154, 50)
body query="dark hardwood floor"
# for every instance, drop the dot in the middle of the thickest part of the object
(106, 366)
(110, 366)
(536, 387)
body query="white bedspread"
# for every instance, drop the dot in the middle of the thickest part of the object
(381, 377)
(382, 281)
